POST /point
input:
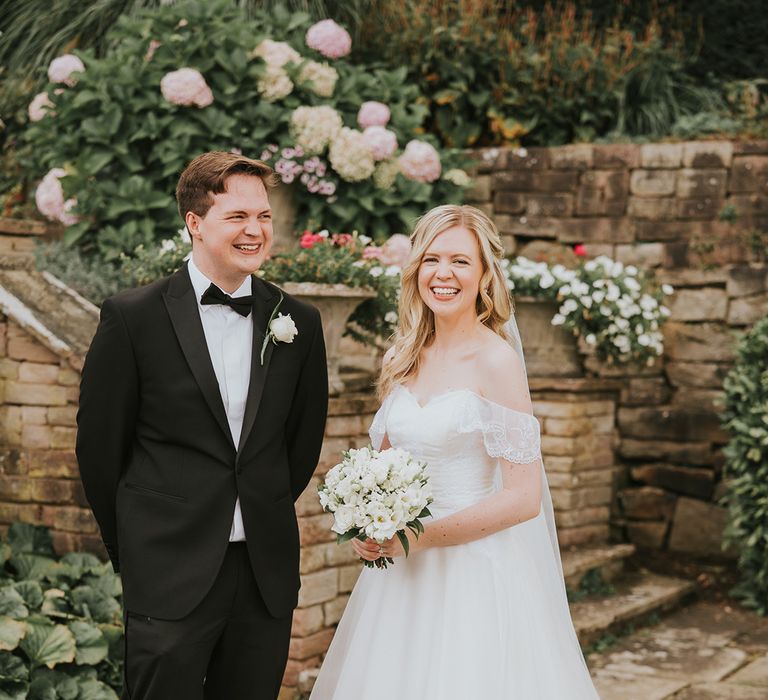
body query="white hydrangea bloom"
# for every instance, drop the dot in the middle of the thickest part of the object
(322, 76)
(313, 128)
(350, 157)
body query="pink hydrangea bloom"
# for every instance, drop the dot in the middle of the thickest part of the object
(186, 86)
(396, 250)
(371, 252)
(329, 38)
(61, 69)
(381, 142)
(49, 198)
(420, 161)
(373, 114)
(39, 107)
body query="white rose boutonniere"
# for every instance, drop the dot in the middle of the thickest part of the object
(280, 329)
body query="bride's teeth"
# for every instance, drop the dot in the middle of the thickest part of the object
(445, 291)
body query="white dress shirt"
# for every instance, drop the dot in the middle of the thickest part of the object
(229, 337)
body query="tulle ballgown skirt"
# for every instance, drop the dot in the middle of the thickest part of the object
(485, 620)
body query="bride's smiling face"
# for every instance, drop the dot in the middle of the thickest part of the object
(450, 272)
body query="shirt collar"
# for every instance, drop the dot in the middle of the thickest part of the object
(200, 283)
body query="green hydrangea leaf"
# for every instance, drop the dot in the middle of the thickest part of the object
(47, 645)
(11, 632)
(92, 647)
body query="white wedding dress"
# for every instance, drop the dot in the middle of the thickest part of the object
(486, 620)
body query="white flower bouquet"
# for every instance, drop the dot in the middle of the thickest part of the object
(376, 495)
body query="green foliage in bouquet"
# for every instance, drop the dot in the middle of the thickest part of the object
(61, 636)
(198, 76)
(746, 468)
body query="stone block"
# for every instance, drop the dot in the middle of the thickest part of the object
(707, 342)
(746, 311)
(696, 374)
(642, 255)
(576, 156)
(653, 183)
(536, 181)
(642, 391)
(24, 347)
(334, 609)
(596, 230)
(344, 426)
(318, 587)
(669, 423)
(647, 503)
(622, 156)
(506, 202)
(702, 183)
(691, 481)
(647, 535)
(34, 415)
(69, 518)
(697, 399)
(557, 205)
(480, 190)
(52, 463)
(330, 453)
(749, 174)
(38, 373)
(703, 304)
(707, 154)
(556, 409)
(698, 527)
(36, 436)
(699, 207)
(307, 621)
(692, 278)
(309, 503)
(11, 422)
(9, 369)
(54, 490)
(652, 208)
(699, 453)
(755, 147)
(68, 377)
(347, 576)
(568, 499)
(314, 645)
(749, 205)
(746, 280)
(13, 461)
(314, 529)
(15, 488)
(61, 415)
(313, 558)
(536, 158)
(340, 554)
(63, 437)
(583, 534)
(486, 160)
(21, 513)
(34, 394)
(567, 427)
(583, 516)
(661, 155)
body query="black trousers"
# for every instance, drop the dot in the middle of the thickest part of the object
(228, 648)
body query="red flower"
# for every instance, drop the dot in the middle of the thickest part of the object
(580, 249)
(341, 239)
(309, 239)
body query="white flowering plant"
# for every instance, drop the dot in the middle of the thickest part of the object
(183, 78)
(617, 310)
(377, 495)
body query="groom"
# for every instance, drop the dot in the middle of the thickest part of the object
(200, 424)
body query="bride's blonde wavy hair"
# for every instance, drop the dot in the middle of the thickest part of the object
(416, 328)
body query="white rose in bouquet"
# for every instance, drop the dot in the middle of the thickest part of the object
(376, 495)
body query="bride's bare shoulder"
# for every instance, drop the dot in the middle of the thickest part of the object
(502, 375)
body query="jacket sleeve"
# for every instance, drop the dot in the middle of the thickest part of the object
(106, 420)
(306, 422)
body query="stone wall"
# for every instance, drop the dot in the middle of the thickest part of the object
(696, 213)
(39, 480)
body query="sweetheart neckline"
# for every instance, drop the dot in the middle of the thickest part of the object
(448, 392)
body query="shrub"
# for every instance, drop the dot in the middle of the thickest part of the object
(61, 634)
(746, 468)
(133, 120)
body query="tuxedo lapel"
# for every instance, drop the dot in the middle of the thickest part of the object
(264, 301)
(185, 318)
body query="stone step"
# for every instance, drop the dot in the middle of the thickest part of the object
(608, 558)
(638, 595)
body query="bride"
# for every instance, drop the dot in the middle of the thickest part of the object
(478, 609)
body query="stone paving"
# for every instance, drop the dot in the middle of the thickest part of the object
(707, 651)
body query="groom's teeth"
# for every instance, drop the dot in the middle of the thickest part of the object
(246, 246)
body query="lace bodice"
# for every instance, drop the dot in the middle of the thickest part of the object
(461, 436)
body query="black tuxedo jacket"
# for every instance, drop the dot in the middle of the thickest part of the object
(156, 456)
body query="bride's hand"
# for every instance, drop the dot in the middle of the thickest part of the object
(368, 549)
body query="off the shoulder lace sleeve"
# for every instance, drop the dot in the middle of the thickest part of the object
(507, 434)
(379, 425)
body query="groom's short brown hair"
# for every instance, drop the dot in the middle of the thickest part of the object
(207, 175)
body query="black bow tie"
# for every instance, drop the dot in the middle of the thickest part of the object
(213, 295)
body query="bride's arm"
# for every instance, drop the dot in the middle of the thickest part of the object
(501, 380)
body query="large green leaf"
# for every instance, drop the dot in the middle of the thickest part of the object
(12, 668)
(12, 604)
(92, 647)
(47, 645)
(92, 689)
(23, 537)
(35, 566)
(11, 632)
(96, 605)
(31, 592)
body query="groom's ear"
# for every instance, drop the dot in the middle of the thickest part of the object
(192, 221)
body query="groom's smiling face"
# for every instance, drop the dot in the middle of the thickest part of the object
(234, 237)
